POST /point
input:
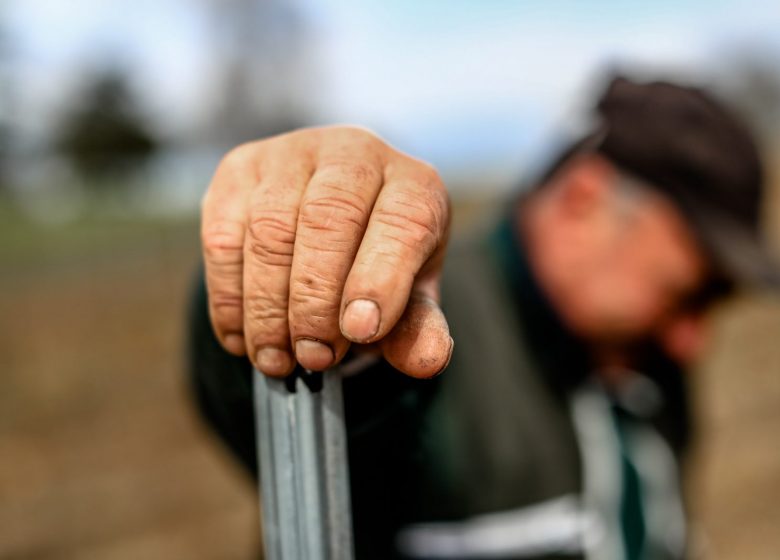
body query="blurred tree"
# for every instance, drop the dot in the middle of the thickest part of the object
(103, 134)
(752, 83)
(262, 56)
(5, 105)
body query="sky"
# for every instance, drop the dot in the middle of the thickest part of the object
(464, 84)
(512, 73)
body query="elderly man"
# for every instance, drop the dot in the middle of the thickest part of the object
(557, 428)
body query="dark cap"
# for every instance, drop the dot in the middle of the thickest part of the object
(690, 147)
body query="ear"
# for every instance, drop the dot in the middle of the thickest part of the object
(586, 185)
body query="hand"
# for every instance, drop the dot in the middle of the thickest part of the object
(322, 237)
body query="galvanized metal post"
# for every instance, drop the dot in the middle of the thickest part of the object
(302, 456)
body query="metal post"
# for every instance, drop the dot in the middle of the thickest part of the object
(302, 455)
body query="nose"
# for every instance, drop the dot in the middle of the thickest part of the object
(684, 337)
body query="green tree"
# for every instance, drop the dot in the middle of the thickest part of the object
(104, 133)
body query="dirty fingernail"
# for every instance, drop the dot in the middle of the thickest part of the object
(273, 361)
(313, 355)
(361, 320)
(449, 358)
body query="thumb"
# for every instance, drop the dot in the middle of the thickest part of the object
(420, 344)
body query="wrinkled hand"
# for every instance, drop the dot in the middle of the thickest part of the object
(322, 237)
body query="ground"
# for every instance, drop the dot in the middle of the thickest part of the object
(103, 457)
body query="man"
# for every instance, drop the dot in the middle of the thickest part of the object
(557, 428)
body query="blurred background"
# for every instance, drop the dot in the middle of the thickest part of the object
(113, 115)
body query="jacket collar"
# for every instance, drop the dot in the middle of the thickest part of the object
(563, 358)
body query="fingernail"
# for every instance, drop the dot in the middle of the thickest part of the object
(449, 358)
(234, 343)
(313, 355)
(273, 361)
(361, 320)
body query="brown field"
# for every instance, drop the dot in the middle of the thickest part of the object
(101, 455)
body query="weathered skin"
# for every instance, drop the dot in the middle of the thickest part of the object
(297, 227)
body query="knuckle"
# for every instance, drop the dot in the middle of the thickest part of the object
(430, 186)
(205, 200)
(337, 212)
(239, 166)
(428, 176)
(356, 134)
(413, 220)
(351, 174)
(269, 327)
(223, 242)
(226, 310)
(272, 236)
(266, 313)
(238, 158)
(260, 311)
(314, 286)
(225, 300)
(314, 295)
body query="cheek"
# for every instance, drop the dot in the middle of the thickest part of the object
(633, 279)
(626, 306)
(621, 300)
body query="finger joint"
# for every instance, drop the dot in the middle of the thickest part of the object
(272, 236)
(223, 242)
(413, 221)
